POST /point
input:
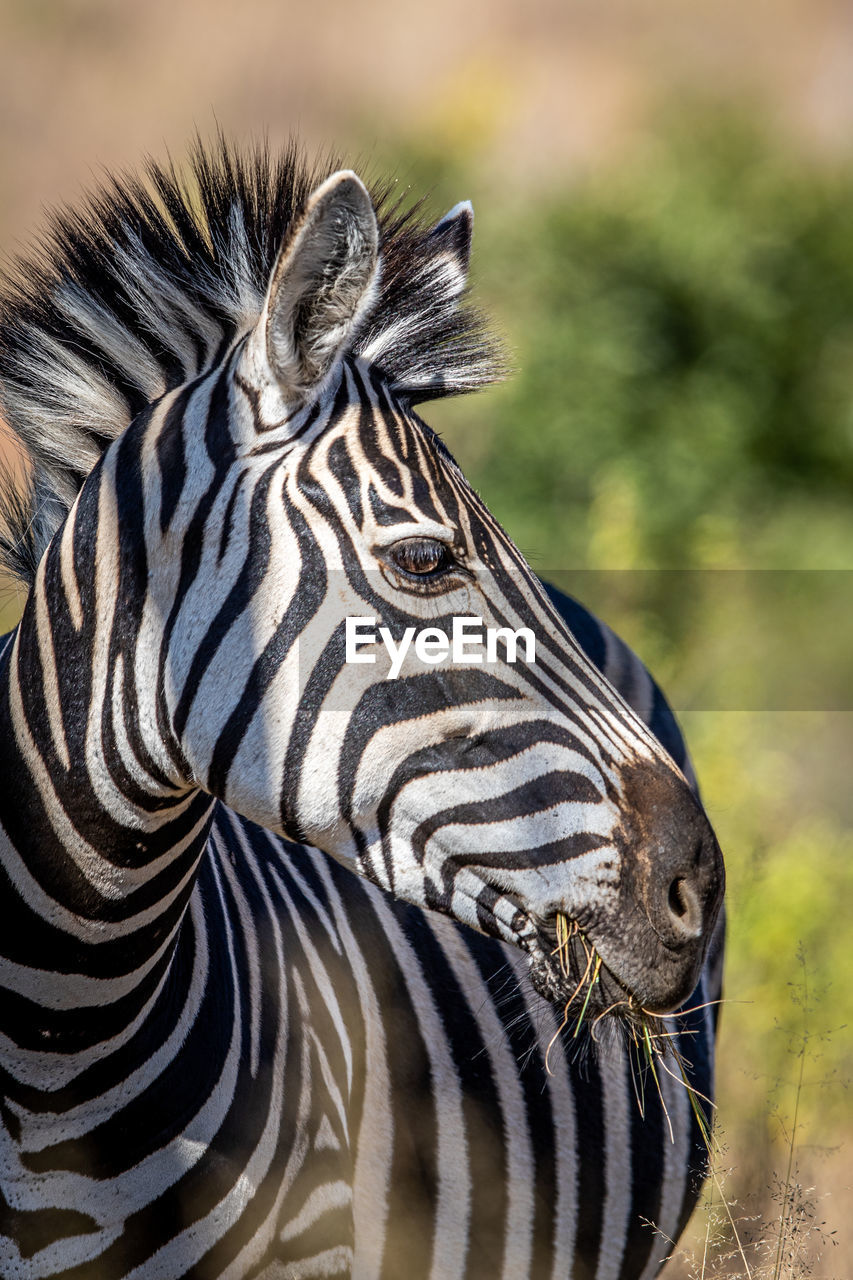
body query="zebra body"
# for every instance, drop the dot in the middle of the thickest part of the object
(223, 1053)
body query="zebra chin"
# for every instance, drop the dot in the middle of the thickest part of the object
(589, 975)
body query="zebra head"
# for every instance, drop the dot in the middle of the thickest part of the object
(268, 482)
(501, 793)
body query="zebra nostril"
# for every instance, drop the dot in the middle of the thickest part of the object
(684, 907)
(677, 905)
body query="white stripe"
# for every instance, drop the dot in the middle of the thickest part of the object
(519, 1174)
(613, 1066)
(375, 1141)
(453, 1207)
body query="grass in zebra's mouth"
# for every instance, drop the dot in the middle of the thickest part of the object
(597, 995)
(652, 1046)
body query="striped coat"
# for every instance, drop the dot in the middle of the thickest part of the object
(246, 1025)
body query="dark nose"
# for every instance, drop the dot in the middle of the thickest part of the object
(678, 868)
(683, 884)
(671, 882)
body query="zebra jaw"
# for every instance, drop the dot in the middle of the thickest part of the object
(578, 959)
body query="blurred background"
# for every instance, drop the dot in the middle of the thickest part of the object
(664, 199)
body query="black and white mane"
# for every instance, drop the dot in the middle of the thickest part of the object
(143, 287)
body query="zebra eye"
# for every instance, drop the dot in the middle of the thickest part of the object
(420, 557)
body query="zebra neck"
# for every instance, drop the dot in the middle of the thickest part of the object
(98, 857)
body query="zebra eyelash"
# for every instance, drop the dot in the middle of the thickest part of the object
(428, 558)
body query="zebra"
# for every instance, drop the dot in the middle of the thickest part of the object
(280, 990)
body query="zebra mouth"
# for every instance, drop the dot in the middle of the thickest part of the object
(567, 970)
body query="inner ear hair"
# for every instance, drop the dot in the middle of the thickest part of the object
(322, 284)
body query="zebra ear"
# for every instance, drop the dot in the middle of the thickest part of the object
(321, 285)
(450, 239)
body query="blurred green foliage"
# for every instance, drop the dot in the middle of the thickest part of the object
(682, 325)
(769, 781)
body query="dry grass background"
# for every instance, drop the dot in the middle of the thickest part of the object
(551, 85)
(531, 94)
